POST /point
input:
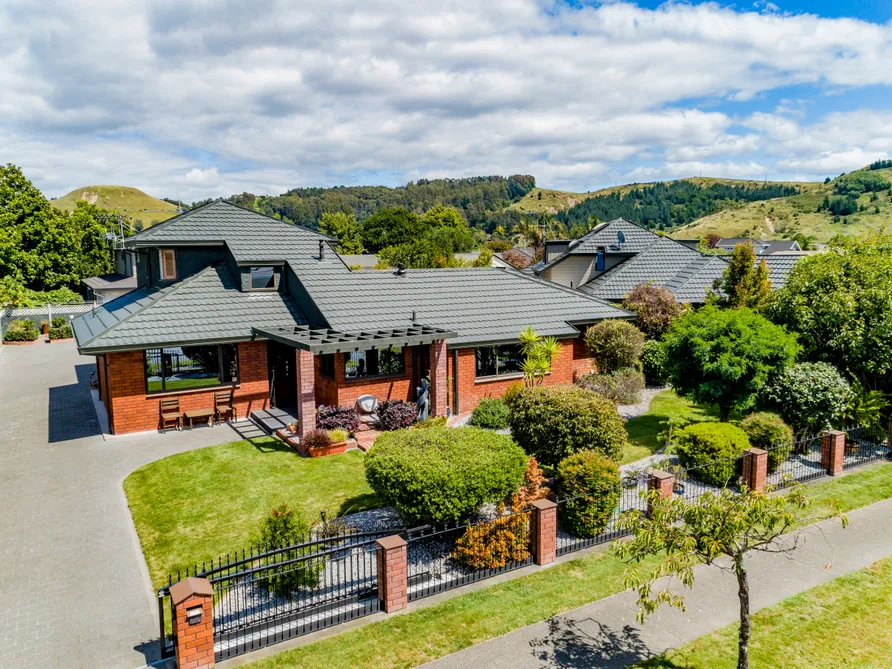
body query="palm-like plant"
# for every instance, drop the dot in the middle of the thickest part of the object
(540, 354)
(865, 406)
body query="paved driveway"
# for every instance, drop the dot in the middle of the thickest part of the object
(74, 591)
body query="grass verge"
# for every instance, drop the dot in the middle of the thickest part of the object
(204, 503)
(843, 623)
(408, 640)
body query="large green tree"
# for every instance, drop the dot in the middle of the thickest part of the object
(391, 227)
(840, 304)
(725, 356)
(745, 281)
(345, 227)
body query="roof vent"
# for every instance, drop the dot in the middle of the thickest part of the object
(413, 316)
(400, 269)
(321, 249)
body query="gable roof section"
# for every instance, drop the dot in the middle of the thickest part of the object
(638, 238)
(204, 308)
(480, 304)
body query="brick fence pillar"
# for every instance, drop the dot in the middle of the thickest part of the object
(662, 481)
(543, 531)
(393, 577)
(438, 357)
(833, 448)
(306, 392)
(755, 468)
(193, 622)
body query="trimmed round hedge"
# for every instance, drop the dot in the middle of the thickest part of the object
(653, 363)
(589, 485)
(552, 422)
(768, 431)
(711, 448)
(614, 344)
(491, 412)
(443, 474)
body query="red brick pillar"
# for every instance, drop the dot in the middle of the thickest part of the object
(662, 481)
(755, 468)
(306, 392)
(833, 448)
(193, 622)
(543, 531)
(393, 576)
(438, 397)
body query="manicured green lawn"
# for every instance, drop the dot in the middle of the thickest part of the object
(421, 636)
(202, 504)
(643, 430)
(844, 623)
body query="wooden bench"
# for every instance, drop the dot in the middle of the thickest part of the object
(223, 405)
(200, 414)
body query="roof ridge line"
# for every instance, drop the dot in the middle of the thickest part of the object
(552, 284)
(165, 292)
(152, 228)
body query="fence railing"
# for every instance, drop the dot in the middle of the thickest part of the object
(45, 312)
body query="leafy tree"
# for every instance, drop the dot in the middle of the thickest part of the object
(724, 357)
(682, 534)
(861, 181)
(418, 254)
(614, 344)
(655, 307)
(811, 396)
(744, 283)
(391, 227)
(840, 305)
(440, 216)
(484, 259)
(346, 228)
(451, 240)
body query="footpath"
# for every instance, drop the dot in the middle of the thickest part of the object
(606, 634)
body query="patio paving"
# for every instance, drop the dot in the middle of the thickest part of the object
(74, 586)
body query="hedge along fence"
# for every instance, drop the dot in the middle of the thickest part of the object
(45, 313)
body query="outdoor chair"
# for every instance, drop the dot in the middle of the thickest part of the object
(365, 407)
(170, 413)
(223, 405)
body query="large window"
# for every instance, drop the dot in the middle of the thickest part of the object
(263, 278)
(377, 362)
(183, 368)
(498, 360)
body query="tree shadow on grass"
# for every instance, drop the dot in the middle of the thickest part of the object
(588, 644)
(358, 503)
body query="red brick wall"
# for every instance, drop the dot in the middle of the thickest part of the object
(572, 361)
(132, 410)
(391, 388)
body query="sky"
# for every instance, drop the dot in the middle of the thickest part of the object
(207, 98)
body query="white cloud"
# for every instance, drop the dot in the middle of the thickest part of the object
(276, 94)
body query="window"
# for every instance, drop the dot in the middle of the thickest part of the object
(383, 362)
(599, 262)
(263, 278)
(327, 365)
(168, 264)
(183, 368)
(498, 360)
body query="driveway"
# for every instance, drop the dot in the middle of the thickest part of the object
(74, 591)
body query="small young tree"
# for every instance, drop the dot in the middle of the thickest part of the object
(745, 282)
(725, 356)
(687, 533)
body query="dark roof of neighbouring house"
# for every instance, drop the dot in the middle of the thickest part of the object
(479, 304)
(762, 246)
(110, 282)
(203, 308)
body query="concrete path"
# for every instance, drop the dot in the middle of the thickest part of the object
(605, 634)
(74, 591)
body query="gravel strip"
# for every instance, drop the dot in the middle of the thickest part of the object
(634, 410)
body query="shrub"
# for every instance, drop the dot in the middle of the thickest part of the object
(59, 321)
(712, 448)
(338, 435)
(532, 487)
(623, 386)
(614, 344)
(396, 414)
(551, 422)
(443, 474)
(495, 543)
(316, 439)
(653, 361)
(811, 396)
(590, 485)
(492, 412)
(436, 421)
(514, 389)
(284, 527)
(63, 332)
(768, 431)
(334, 417)
(21, 331)
(655, 307)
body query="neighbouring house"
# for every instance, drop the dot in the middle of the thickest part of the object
(370, 260)
(763, 247)
(616, 256)
(232, 299)
(518, 257)
(101, 289)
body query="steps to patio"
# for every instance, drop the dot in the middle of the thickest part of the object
(274, 419)
(366, 434)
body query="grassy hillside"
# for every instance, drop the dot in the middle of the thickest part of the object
(131, 202)
(786, 216)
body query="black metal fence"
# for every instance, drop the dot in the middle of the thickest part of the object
(265, 596)
(630, 497)
(865, 444)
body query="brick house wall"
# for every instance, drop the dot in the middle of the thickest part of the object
(345, 393)
(130, 409)
(572, 361)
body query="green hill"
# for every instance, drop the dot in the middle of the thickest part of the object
(786, 216)
(131, 202)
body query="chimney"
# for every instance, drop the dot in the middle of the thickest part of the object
(400, 269)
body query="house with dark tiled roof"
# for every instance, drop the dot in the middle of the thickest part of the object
(618, 255)
(763, 247)
(229, 299)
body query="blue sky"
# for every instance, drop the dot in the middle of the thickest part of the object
(211, 98)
